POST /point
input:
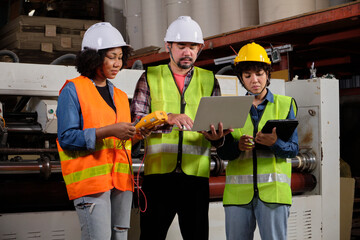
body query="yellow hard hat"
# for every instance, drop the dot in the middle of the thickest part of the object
(252, 52)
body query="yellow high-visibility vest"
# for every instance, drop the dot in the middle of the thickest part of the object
(188, 149)
(273, 174)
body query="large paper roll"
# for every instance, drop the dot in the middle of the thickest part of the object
(321, 4)
(133, 23)
(271, 10)
(249, 12)
(230, 17)
(153, 23)
(236, 14)
(176, 8)
(206, 14)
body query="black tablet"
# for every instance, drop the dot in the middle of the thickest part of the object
(284, 127)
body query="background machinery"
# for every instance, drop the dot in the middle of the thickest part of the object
(33, 199)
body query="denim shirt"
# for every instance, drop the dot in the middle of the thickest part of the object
(230, 149)
(70, 131)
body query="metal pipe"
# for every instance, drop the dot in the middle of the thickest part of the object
(305, 162)
(11, 54)
(217, 166)
(137, 166)
(225, 69)
(30, 151)
(216, 187)
(21, 116)
(21, 104)
(18, 168)
(300, 183)
(68, 56)
(42, 166)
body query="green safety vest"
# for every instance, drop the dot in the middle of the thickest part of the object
(273, 174)
(188, 150)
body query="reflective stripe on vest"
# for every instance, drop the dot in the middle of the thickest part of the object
(262, 178)
(162, 149)
(107, 143)
(173, 148)
(273, 173)
(108, 166)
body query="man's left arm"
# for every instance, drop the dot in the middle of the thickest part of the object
(140, 104)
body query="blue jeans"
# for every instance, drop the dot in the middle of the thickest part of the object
(104, 216)
(240, 221)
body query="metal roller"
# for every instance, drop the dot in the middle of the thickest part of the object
(304, 162)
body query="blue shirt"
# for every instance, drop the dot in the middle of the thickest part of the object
(70, 131)
(230, 149)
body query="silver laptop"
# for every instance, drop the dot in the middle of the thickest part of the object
(232, 111)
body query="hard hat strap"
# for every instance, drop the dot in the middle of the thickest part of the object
(178, 64)
(171, 53)
(202, 47)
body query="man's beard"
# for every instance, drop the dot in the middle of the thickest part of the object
(185, 66)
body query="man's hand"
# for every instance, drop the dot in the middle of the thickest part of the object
(144, 132)
(141, 134)
(214, 135)
(181, 120)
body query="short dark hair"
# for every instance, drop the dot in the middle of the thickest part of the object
(252, 66)
(89, 60)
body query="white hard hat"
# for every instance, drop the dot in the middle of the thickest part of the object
(184, 29)
(102, 36)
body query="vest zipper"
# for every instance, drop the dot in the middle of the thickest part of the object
(256, 190)
(181, 136)
(256, 127)
(181, 133)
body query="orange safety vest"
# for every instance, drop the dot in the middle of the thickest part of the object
(109, 165)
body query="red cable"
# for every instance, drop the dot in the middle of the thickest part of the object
(138, 188)
(137, 178)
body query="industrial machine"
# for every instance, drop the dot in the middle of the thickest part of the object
(33, 197)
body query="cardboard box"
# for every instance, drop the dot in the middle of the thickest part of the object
(28, 33)
(47, 47)
(347, 189)
(50, 30)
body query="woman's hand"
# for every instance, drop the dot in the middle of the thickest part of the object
(246, 143)
(267, 139)
(122, 130)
